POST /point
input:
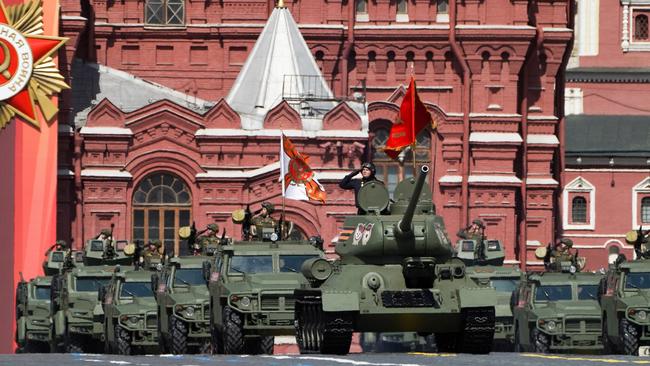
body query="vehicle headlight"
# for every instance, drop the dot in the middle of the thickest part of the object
(133, 319)
(642, 315)
(551, 325)
(189, 311)
(245, 301)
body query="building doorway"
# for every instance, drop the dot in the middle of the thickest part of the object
(161, 205)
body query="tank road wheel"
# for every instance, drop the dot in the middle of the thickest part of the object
(630, 337)
(178, 332)
(233, 332)
(478, 331)
(73, 344)
(430, 344)
(123, 341)
(539, 341)
(317, 331)
(446, 342)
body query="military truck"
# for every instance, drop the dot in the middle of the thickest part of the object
(33, 315)
(130, 313)
(251, 293)
(485, 267)
(624, 299)
(183, 306)
(395, 274)
(557, 311)
(77, 315)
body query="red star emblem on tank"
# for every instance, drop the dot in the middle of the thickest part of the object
(28, 74)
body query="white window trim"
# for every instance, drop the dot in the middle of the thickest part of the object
(627, 39)
(572, 187)
(642, 188)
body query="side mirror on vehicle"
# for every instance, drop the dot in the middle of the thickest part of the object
(155, 280)
(207, 268)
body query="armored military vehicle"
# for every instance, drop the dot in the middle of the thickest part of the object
(54, 258)
(395, 274)
(485, 267)
(77, 315)
(251, 293)
(130, 313)
(625, 301)
(557, 311)
(33, 315)
(183, 306)
(110, 252)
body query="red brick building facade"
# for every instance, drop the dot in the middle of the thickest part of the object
(607, 178)
(152, 143)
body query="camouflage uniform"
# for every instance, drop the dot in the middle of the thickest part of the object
(473, 232)
(260, 222)
(563, 255)
(207, 240)
(151, 255)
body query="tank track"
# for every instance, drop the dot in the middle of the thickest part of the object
(478, 331)
(320, 332)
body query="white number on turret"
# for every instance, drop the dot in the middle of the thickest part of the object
(362, 234)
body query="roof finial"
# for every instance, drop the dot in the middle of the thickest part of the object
(280, 4)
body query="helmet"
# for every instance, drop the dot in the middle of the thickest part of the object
(479, 223)
(105, 232)
(268, 206)
(213, 227)
(156, 242)
(370, 166)
(567, 242)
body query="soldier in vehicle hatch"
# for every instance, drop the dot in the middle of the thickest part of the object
(475, 231)
(263, 220)
(368, 171)
(560, 253)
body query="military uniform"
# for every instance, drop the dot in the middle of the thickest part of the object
(260, 222)
(558, 255)
(473, 232)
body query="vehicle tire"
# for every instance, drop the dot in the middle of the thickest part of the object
(73, 344)
(608, 347)
(205, 348)
(233, 332)
(629, 336)
(539, 341)
(178, 333)
(123, 341)
(265, 345)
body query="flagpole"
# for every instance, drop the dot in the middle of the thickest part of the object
(414, 144)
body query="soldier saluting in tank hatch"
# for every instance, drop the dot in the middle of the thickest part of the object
(560, 253)
(368, 172)
(475, 231)
(263, 220)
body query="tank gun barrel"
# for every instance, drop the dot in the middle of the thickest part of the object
(404, 225)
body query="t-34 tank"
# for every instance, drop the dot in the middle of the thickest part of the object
(395, 274)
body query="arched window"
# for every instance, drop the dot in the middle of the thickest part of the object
(164, 12)
(362, 6)
(161, 205)
(645, 210)
(641, 27)
(579, 210)
(390, 171)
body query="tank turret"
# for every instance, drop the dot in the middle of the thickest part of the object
(409, 228)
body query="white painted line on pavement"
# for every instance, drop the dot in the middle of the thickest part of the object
(340, 360)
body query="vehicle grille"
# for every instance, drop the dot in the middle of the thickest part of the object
(582, 326)
(152, 321)
(275, 302)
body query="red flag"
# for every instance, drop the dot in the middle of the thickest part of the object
(413, 118)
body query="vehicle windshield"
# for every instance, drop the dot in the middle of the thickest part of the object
(251, 264)
(42, 292)
(188, 277)
(553, 293)
(505, 284)
(292, 263)
(588, 292)
(90, 284)
(637, 280)
(136, 289)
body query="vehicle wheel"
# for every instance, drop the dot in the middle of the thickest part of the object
(73, 344)
(178, 332)
(430, 344)
(122, 340)
(265, 345)
(205, 348)
(607, 344)
(539, 341)
(630, 337)
(233, 332)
